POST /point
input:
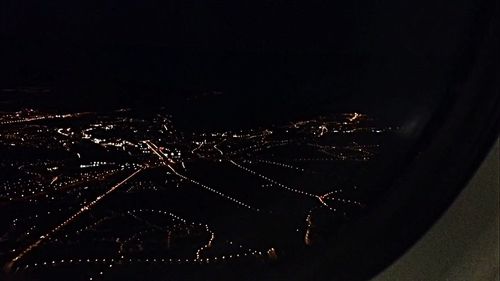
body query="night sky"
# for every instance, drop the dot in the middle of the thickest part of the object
(337, 55)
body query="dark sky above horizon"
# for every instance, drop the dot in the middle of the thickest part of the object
(355, 54)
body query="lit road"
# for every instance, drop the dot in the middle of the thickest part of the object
(86, 208)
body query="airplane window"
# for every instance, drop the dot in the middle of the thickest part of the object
(204, 140)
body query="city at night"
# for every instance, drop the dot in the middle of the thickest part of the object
(104, 192)
(249, 141)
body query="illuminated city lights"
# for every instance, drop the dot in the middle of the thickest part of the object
(104, 192)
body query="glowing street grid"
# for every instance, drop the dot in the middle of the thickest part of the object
(96, 192)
